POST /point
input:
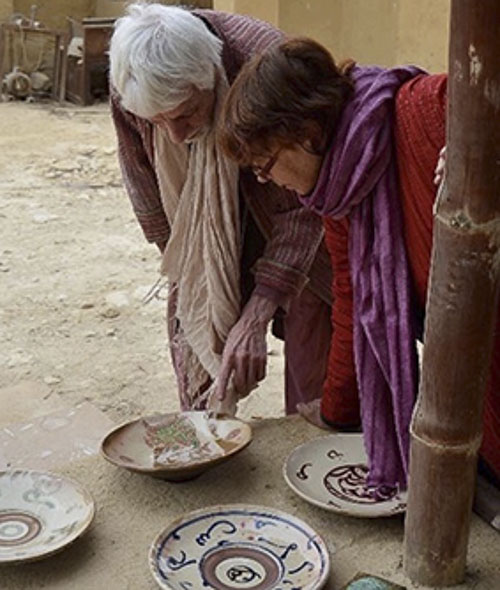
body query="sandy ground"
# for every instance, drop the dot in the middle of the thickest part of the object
(74, 268)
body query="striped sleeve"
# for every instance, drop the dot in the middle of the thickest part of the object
(135, 154)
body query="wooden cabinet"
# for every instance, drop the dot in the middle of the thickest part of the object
(87, 59)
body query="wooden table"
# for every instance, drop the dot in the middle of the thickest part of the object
(95, 34)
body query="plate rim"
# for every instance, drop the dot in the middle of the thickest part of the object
(75, 534)
(171, 468)
(243, 507)
(318, 503)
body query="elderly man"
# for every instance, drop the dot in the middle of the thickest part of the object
(236, 253)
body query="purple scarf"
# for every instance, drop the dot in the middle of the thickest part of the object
(358, 178)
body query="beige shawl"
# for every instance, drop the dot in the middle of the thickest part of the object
(199, 189)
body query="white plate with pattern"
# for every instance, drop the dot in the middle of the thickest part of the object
(239, 546)
(331, 471)
(40, 513)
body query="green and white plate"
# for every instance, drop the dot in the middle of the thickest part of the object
(40, 513)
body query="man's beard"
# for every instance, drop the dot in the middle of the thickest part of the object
(199, 135)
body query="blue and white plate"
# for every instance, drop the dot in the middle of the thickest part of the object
(331, 472)
(239, 546)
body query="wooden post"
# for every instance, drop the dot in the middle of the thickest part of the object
(462, 305)
(64, 68)
(57, 65)
(3, 43)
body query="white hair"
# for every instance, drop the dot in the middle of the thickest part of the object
(157, 54)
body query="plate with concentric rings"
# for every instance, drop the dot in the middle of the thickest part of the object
(239, 546)
(330, 472)
(40, 513)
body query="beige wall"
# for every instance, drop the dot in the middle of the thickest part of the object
(53, 13)
(267, 10)
(385, 32)
(423, 31)
(110, 8)
(6, 9)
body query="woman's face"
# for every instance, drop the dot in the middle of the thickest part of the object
(294, 168)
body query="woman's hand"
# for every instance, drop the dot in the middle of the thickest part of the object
(439, 170)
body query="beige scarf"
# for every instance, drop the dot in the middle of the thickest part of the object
(199, 189)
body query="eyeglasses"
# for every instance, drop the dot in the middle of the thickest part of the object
(265, 170)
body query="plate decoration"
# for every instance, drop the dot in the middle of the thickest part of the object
(175, 446)
(331, 472)
(40, 513)
(239, 546)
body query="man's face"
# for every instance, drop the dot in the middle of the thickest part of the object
(189, 119)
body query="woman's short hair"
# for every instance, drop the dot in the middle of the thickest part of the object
(157, 54)
(279, 95)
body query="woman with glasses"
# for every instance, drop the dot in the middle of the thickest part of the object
(359, 145)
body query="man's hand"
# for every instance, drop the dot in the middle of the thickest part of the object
(245, 352)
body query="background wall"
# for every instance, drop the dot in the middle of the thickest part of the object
(6, 9)
(105, 8)
(267, 10)
(53, 13)
(386, 32)
(423, 29)
(365, 31)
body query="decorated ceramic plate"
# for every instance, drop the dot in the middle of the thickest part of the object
(40, 513)
(239, 546)
(331, 471)
(176, 446)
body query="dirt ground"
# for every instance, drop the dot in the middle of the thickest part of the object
(74, 269)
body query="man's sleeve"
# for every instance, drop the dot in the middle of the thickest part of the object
(135, 155)
(293, 235)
